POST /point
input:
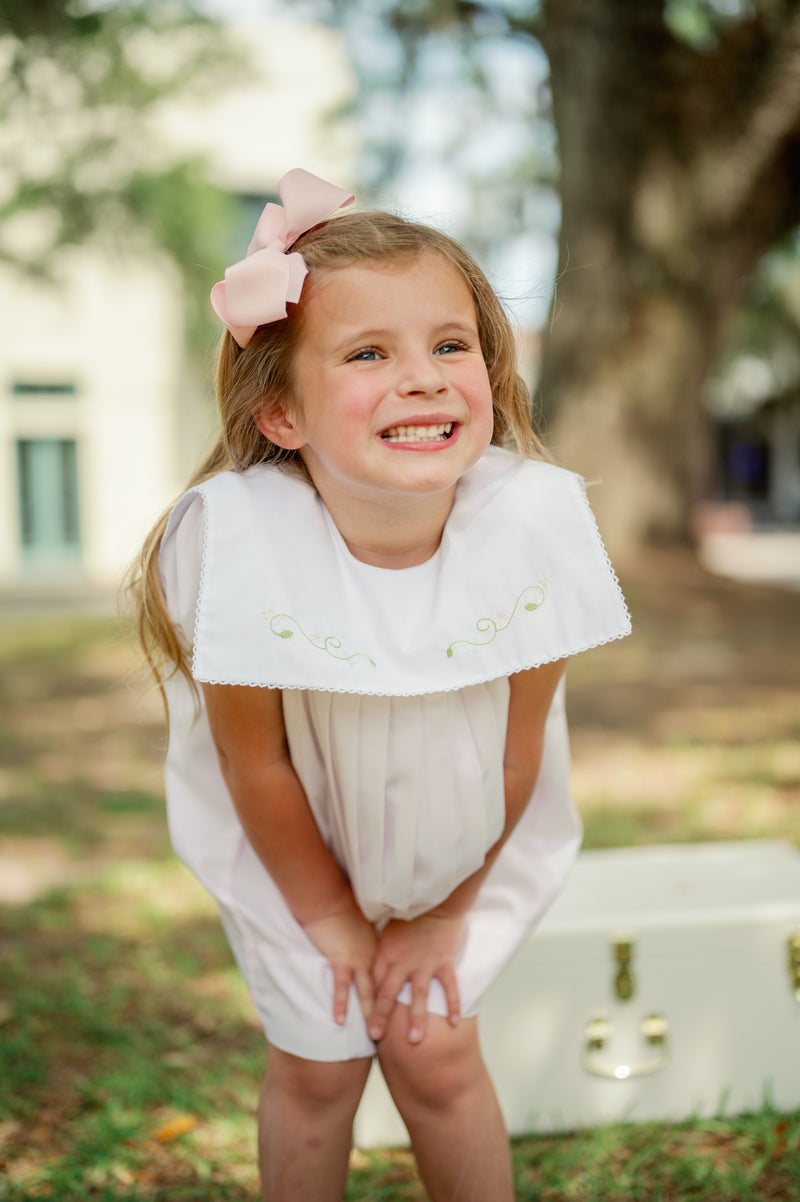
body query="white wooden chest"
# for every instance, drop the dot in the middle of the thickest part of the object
(663, 983)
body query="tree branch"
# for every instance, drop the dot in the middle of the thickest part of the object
(730, 176)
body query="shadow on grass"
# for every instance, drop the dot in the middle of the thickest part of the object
(129, 1058)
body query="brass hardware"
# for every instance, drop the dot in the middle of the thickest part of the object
(653, 1029)
(793, 949)
(598, 1030)
(624, 986)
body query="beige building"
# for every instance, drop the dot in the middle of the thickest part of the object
(100, 414)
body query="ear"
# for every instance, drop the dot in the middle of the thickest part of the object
(274, 424)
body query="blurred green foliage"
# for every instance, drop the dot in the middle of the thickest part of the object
(83, 89)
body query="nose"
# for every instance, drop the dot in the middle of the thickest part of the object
(421, 374)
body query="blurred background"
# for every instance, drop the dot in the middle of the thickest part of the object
(629, 176)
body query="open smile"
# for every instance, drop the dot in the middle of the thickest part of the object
(419, 433)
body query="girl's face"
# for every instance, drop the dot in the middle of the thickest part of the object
(392, 392)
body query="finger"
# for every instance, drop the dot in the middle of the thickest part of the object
(384, 1001)
(449, 982)
(342, 976)
(381, 967)
(385, 985)
(418, 1010)
(363, 982)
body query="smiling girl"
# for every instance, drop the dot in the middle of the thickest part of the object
(360, 614)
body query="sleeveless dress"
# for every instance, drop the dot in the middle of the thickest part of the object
(395, 698)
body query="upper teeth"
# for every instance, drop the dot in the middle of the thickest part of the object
(416, 433)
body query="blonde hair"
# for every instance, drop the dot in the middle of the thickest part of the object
(249, 379)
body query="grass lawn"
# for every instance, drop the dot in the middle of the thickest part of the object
(129, 1054)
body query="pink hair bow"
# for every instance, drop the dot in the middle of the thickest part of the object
(255, 290)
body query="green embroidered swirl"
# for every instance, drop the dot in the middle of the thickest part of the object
(329, 644)
(490, 628)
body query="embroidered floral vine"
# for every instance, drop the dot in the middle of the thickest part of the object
(489, 628)
(327, 643)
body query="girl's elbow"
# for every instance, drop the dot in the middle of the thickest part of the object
(520, 782)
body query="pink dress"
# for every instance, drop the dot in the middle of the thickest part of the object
(395, 698)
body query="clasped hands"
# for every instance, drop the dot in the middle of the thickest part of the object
(379, 964)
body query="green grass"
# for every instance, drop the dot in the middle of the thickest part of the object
(129, 1052)
(123, 1012)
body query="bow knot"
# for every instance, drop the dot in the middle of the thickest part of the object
(256, 290)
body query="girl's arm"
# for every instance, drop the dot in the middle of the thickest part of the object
(250, 738)
(426, 947)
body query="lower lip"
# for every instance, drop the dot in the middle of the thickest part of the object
(429, 444)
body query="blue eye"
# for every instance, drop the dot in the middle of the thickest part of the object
(367, 355)
(448, 348)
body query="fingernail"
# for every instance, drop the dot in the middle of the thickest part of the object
(414, 1035)
(374, 1032)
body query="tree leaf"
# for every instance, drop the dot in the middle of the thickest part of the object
(181, 1124)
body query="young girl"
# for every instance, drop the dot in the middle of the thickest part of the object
(360, 613)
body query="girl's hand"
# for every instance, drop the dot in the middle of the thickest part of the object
(347, 941)
(416, 951)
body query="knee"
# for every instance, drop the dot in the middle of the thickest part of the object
(313, 1083)
(436, 1073)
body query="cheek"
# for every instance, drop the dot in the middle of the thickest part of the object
(484, 408)
(339, 420)
(481, 391)
(354, 403)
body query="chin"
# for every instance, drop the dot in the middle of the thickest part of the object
(438, 482)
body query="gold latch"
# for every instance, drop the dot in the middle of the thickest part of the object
(793, 949)
(599, 1033)
(624, 986)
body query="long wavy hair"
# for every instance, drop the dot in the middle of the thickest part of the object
(252, 378)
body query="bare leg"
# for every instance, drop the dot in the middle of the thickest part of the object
(305, 1120)
(446, 1098)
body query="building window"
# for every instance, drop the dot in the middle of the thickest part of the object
(42, 388)
(746, 463)
(47, 475)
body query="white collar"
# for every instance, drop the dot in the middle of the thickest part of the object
(520, 578)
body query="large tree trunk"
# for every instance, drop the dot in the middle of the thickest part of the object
(679, 168)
